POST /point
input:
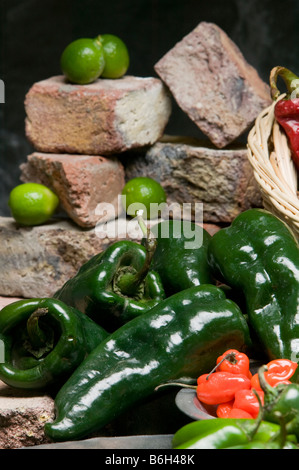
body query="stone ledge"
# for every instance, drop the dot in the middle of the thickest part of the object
(23, 415)
(37, 261)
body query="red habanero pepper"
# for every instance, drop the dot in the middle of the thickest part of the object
(246, 400)
(223, 409)
(286, 110)
(234, 362)
(278, 371)
(238, 413)
(220, 387)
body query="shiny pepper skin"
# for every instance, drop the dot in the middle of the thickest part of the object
(220, 387)
(234, 362)
(246, 400)
(278, 371)
(259, 255)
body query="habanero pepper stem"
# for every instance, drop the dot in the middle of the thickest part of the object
(231, 356)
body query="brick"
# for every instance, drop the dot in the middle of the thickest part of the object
(102, 118)
(213, 83)
(23, 415)
(80, 181)
(221, 179)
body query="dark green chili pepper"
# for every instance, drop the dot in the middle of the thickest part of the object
(223, 433)
(179, 338)
(115, 286)
(44, 341)
(259, 255)
(181, 255)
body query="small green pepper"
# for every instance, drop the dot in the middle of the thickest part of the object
(44, 341)
(223, 433)
(178, 339)
(281, 403)
(259, 255)
(265, 445)
(181, 255)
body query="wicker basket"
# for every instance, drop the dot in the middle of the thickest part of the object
(273, 168)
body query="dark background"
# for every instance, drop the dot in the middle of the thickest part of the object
(34, 33)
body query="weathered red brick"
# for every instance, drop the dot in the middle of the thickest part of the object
(213, 83)
(101, 118)
(80, 181)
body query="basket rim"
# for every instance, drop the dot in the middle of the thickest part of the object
(273, 167)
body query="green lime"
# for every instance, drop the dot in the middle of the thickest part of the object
(32, 203)
(116, 56)
(143, 193)
(82, 61)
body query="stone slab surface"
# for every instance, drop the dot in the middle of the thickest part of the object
(8, 300)
(37, 261)
(80, 181)
(213, 83)
(122, 442)
(194, 172)
(23, 415)
(102, 118)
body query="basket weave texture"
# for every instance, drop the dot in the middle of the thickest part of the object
(274, 169)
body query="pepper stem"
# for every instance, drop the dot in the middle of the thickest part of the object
(176, 384)
(270, 393)
(231, 357)
(36, 335)
(129, 283)
(259, 417)
(291, 81)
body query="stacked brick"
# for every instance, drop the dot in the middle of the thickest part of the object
(79, 130)
(89, 139)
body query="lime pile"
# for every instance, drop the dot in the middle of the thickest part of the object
(85, 60)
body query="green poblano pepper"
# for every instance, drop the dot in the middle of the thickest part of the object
(179, 338)
(259, 255)
(180, 257)
(116, 285)
(229, 433)
(44, 341)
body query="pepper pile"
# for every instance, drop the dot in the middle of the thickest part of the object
(140, 315)
(234, 389)
(232, 434)
(269, 422)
